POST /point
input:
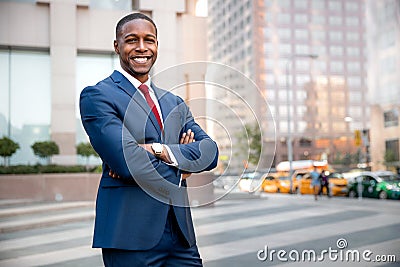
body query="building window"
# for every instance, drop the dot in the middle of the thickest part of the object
(335, 21)
(301, 4)
(352, 6)
(284, 3)
(353, 67)
(352, 21)
(302, 64)
(302, 49)
(336, 66)
(301, 34)
(300, 19)
(391, 118)
(283, 18)
(318, 19)
(354, 81)
(392, 150)
(318, 4)
(336, 50)
(353, 36)
(353, 51)
(320, 65)
(25, 105)
(318, 35)
(284, 33)
(334, 5)
(113, 5)
(305, 142)
(336, 36)
(302, 79)
(90, 69)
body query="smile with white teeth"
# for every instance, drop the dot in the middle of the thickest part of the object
(140, 60)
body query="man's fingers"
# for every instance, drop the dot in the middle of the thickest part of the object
(113, 175)
(187, 137)
(182, 138)
(191, 137)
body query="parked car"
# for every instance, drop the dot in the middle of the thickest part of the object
(379, 184)
(284, 184)
(251, 181)
(337, 184)
(270, 184)
(278, 183)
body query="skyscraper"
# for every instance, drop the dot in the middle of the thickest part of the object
(275, 43)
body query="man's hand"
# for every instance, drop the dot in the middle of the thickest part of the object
(187, 137)
(113, 174)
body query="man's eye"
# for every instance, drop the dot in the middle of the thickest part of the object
(131, 40)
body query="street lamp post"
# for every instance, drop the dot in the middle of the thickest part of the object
(288, 105)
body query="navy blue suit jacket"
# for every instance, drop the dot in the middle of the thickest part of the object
(131, 212)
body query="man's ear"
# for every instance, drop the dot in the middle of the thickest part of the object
(116, 48)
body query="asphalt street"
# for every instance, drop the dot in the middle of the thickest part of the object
(238, 230)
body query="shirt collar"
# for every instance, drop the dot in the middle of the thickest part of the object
(135, 82)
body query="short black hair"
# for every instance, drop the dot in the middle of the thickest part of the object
(131, 17)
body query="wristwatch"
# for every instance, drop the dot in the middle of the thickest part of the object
(157, 148)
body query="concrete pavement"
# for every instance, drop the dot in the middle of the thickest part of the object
(235, 231)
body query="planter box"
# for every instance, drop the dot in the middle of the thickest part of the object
(50, 187)
(83, 186)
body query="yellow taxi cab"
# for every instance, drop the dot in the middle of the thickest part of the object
(278, 183)
(300, 168)
(270, 184)
(284, 184)
(337, 184)
(305, 184)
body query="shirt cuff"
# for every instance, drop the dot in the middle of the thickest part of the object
(172, 157)
(174, 162)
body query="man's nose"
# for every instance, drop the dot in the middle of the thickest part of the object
(141, 45)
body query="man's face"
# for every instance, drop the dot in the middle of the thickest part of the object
(136, 46)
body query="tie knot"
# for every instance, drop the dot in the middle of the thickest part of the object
(144, 89)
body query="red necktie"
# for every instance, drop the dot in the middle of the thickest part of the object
(145, 90)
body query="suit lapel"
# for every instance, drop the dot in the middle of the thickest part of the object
(124, 84)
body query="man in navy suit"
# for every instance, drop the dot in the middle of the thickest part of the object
(149, 143)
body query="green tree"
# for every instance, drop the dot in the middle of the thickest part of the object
(7, 148)
(45, 149)
(249, 142)
(86, 150)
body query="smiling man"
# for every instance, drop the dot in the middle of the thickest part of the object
(136, 44)
(143, 134)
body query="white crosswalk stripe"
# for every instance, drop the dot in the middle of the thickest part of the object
(51, 257)
(229, 231)
(30, 241)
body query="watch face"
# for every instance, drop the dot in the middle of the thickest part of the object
(157, 147)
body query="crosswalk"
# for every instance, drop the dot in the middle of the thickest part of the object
(232, 232)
